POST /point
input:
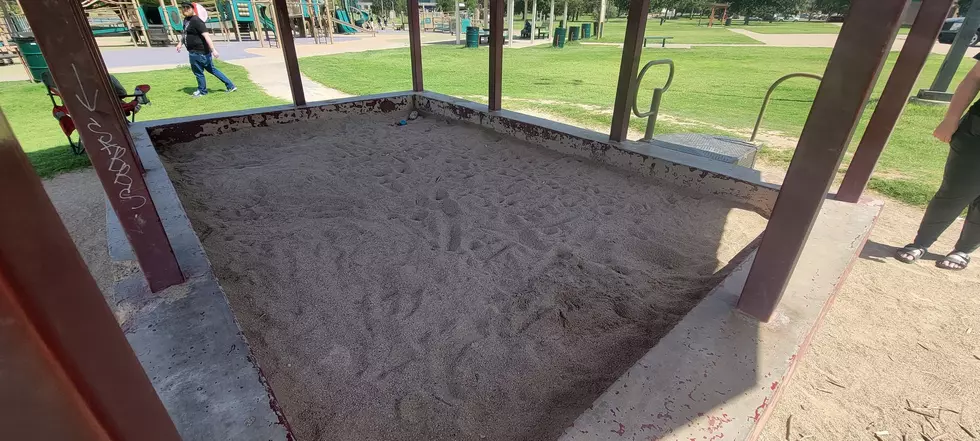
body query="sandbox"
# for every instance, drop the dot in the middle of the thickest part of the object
(439, 280)
(469, 275)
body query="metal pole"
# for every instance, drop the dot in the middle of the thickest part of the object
(285, 31)
(65, 39)
(957, 50)
(534, 20)
(456, 5)
(415, 44)
(510, 15)
(602, 18)
(551, 20)
(564, 18)
(636, 23)
(68, 371)
(911, 60)
(496, 53)
(862, 47)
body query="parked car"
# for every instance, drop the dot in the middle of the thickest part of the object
(952, 27)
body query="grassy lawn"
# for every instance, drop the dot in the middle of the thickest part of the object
(28, 109)
(715, 89)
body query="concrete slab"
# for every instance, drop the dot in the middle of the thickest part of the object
(718, 372)
(186, 337)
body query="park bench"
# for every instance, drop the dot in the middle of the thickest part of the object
(542, 32)
(663, 40)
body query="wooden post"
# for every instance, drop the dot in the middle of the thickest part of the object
(234, 19)
(257, 19)
(289, 52)
(862, 47)
(415, 44)
(911, 60)
(68, 370)
(329, 12)
(496, 53)
(146, 36)
(65, 39)
(636, 24)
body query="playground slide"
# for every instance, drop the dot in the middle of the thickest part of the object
(267, 22)
(343, 18)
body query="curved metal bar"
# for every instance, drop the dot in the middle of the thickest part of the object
(765, 101)
(639, 78)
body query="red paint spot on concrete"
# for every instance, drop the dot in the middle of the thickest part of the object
(762, 406)
(715, 423)
(621, 430)
(774, 385)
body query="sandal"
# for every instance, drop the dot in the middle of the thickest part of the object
(916, 252)
(958, 258)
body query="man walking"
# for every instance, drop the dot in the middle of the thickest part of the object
(961, 182)
(200, 50)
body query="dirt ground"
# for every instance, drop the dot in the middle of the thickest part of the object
(897, 335)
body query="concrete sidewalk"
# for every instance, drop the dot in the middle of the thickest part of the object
(826, 40)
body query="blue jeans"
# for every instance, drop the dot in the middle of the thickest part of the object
(201, 63)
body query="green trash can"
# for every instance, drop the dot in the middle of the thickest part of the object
(586, 30)
(32, 55)
(559, 40)
(473, 36)
(573, 33)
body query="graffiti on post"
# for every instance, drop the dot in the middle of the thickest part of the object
(117, 161)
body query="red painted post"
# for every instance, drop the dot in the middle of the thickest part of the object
(636, 24)
(64, 36)
(57, 333)
(916, 50)
(285, 36)
(862, 46)
(496, 53)
(415, 44)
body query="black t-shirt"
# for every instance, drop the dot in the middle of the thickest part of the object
(194, 30)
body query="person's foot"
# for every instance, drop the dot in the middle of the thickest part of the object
(233, 88)
(910, 253)
(955, 261)
(198, 94)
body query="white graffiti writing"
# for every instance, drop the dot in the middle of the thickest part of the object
(118, 165)
(117, 153)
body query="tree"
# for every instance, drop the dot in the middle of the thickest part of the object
(832, 7)
(749, 8)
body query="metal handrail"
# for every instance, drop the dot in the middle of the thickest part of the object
(765, 101)
(657, 95)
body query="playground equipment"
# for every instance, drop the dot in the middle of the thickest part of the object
(724, 149)
(719, 148)
(765, 101)
(60, 112)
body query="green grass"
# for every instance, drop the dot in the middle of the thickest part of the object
(27, 107)
(715, 88)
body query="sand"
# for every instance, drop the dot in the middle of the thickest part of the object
(439, 281)
(80, 202)
(896, 332)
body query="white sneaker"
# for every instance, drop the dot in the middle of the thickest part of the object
(197, 94)
(232, 89)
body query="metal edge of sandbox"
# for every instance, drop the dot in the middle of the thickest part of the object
(187, 338)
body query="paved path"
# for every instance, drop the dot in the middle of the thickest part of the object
(828, 40)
